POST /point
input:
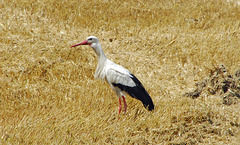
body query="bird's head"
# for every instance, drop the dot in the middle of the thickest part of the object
(91, 41)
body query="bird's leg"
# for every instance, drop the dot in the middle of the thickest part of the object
(125, 105)
(120, 106)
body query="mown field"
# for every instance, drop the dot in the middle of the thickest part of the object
(48, 94)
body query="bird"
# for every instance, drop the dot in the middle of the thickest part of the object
(121, 80)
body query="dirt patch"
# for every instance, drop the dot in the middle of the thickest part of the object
(220, 83)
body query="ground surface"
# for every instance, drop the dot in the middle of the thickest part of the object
(48, 93)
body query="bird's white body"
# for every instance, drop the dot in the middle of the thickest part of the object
(121, 80)
(113, 73)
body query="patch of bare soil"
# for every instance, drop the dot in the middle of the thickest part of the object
(220, 83)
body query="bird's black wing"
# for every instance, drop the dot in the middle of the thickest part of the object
(137, 91)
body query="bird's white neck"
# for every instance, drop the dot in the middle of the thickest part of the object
(99, 51)
(101, 61)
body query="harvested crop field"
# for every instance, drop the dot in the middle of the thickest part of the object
(186, 54)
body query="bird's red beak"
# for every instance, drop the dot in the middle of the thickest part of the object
(82, 43)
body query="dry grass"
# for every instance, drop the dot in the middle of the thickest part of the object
(48, 94)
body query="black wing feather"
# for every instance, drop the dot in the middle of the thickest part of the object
(137, 92)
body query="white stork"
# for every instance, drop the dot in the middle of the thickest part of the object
(121, 80)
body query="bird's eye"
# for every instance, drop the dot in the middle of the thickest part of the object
(90, 39)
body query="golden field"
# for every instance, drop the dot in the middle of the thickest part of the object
(48, 93)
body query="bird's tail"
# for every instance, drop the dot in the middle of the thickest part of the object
(147, 102)
(141, 94)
